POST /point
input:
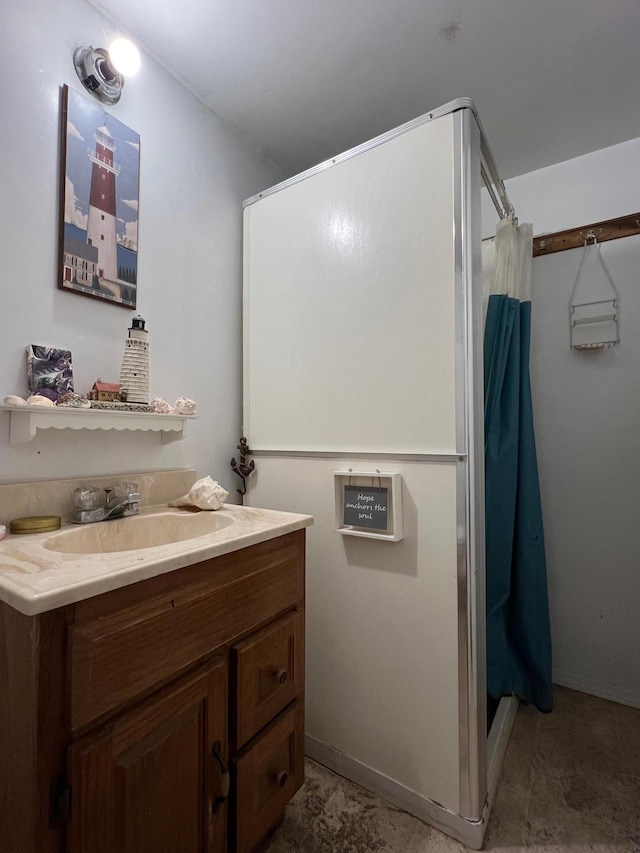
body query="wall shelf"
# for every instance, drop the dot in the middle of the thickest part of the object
(27, 420)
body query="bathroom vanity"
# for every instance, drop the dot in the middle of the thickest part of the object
(152, 699)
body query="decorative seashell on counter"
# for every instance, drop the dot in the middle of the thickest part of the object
(37, 400)
(160, 406)
(14, 400)
(185, 406)
(204, 494)
(73, 401)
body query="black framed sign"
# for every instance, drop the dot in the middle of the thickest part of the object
(366, 506)
(369, 504)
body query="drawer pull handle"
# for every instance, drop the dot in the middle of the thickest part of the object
(282, 676)
(224, 778)
(282, 778)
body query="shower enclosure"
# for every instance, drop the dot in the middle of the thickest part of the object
(363, 364)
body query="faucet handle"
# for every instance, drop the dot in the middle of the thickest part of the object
(86, 498)
(124, 489)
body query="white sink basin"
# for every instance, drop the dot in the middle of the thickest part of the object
(141, 531)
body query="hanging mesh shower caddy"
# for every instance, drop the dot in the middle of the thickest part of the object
(594, 307)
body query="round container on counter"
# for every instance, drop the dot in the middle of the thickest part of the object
(35, 524)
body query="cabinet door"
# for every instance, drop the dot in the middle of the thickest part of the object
(154, 780)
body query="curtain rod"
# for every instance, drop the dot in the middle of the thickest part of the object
(492, 195)
(491, 177)
(494, 184)
(574, 238)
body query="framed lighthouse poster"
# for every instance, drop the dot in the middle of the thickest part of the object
(99, 192)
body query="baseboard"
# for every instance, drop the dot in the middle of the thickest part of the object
(602, 689)
(470, 833)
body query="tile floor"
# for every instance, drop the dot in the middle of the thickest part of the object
(570, 784)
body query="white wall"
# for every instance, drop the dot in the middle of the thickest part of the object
(601, 185)
(195, 172)
(587, 415)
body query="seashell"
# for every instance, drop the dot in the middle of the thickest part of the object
(73, 401)
(185, 406)
(160, 406)
(37, 400)
(50, 393)
(14, 400)
(206, 493)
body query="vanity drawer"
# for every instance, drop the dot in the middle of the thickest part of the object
(268, 772)
(124, 643)
(269, 673)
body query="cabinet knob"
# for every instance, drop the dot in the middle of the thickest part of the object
(282, 778)
(282, 676)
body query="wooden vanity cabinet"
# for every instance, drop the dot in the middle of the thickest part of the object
(161, 717)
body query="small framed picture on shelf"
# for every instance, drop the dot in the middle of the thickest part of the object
(49, 371)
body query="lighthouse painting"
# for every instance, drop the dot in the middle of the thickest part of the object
(99, 203)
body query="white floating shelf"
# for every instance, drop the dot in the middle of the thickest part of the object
(26, 420)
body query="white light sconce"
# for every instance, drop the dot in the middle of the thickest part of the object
(102, 72)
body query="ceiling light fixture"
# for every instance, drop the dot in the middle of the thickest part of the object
(102, 72)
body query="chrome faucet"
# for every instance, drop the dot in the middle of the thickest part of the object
(125, 502)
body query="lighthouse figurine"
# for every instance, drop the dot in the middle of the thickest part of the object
(134, 373)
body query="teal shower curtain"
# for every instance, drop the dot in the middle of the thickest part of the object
(518, 631)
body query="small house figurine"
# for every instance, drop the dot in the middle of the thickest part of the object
(105, 392)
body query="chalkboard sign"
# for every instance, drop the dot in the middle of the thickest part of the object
(366, 507)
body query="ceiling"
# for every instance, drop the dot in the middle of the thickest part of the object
(305, 80)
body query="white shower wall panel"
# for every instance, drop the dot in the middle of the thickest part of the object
(361, 352)
(349, 303)
(382, 645)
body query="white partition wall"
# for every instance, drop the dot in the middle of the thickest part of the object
(343, 317)
(362, 339)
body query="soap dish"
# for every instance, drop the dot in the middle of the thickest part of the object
(35, 524)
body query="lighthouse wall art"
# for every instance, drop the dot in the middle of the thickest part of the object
(98, 203)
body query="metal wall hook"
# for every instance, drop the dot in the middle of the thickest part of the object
(241, 468)
(591, 235)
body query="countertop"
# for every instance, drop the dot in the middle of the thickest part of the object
(34, 579)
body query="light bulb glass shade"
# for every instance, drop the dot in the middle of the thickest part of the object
(124, 56)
